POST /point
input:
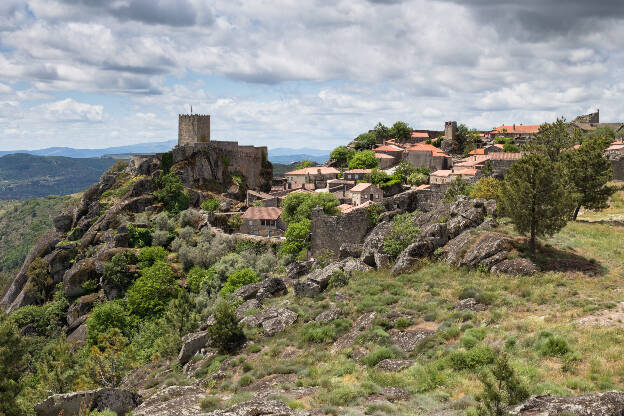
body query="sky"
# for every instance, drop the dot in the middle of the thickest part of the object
(292, 73)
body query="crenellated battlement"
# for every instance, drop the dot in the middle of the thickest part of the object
(193, 128)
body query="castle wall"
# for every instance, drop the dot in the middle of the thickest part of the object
(330, 232)
(193, 128)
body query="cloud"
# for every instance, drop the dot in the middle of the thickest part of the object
(68, 110)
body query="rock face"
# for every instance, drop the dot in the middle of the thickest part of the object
(268, 288)
(390, 364)
(363, 323)
(256, 408)
(329, 315)
(70, 404)
(517, 266)
(318, 280)
(191, 344)
(172, 401)
(81, 272)
(608, 404)
(408, 340)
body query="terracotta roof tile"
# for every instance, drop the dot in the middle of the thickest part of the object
(389, 148)
(358, 171)
(420, 135)
(517, 129)
(314, 171)
(383, 156)
(262, 213)
(362, 186)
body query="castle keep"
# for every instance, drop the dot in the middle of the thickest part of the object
(193, 128)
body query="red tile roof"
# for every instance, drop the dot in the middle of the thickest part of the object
(314, 171)
(470, 172)
(442, 173)
(383, 156)
(389, 148)
(262, 213)
(358, 171)
(505, 156)
(424, 147)
(361, 187)
(423, 186)
(517, 129)
(480, 151)
(344, 208)
(420, 135)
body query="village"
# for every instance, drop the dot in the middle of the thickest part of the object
(494, 152)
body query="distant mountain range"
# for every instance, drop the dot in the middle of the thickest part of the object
(282, 155)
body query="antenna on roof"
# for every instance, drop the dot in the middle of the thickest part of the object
(191, 109)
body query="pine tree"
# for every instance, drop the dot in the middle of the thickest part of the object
(535, 197)
(552, 139)
(500, 389)
(589, 172)
(11, 366)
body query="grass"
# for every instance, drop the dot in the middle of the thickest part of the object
(534, 319)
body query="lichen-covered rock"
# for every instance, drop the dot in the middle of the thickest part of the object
(391, 364)
(77, 311)
(78, 335)
(81, 272)
(329, 315)
(257, 408)
(469, 304)
(298, 269)
(363, 323)
(191, 345)
(408, 340)
(486, 246)
(172, 401)
(373, 243)
(275, 320)
(414, 252)
(268, 288)
(517, 266)
(63, 222)
(246, 307)
(71, 404)
(306, 288)
(351, 265)
(608, 404)
(350, 250)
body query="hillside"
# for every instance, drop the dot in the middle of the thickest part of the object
(25, 176)
(156, 301)
(21, 223)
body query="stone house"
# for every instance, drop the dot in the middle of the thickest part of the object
(429, 156)
(340, 188)
(392, 150)
(447, 176)
(385, 161)
(515, 131)
(364, 192)
(267, 200)
(318, 175)
(419, 136)
(500, 162)
(263, 221)
(492, 148)
(440, 176)
(356, 174)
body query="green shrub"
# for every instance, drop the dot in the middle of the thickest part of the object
(45, 320)
(380, 354)
(226, 334)
(402, 323)
(552, 346)
(171, 193)
(139, 237)
(149, 255)
(245, 380)
(210, 205)
(238, 279)
(117, 271)
(338, 278)
(106, 316)
(197, 277)
(474, 358)
(150, 293)
(210, 403)
(403, 233)
(373, 212)
(324, 333)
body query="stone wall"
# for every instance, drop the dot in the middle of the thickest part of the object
(330, 232)
(618, 168)
(193, 128)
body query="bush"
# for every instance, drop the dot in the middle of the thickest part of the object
(245, 380)
(378, 355)
(187, 234)
(235, 222)
(163, 222)
(403, 233)
(487, 188)
(210, 403)
(318, 333)
(363, 160)
(139, 237)
(106, 316)
(226, 334)
(373, 212)
(474, 358)
(456, 188)
(45, 320)
(239, 279)
(210, 205)
(150, 293)
(504, 390)
(190, 218)
(552, 346)
(40, 282)
(403, 323)
(12, 366)
(197, 277)
(150, 255)
(171, 193)
(338, 278)
(117, 271)
(297, 236)
(162, 238)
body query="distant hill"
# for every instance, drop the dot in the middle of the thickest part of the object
(281, 155)
(25, 176)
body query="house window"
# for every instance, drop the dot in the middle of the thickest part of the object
(270, 233)
(372, 197)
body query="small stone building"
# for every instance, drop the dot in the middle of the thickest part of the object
(263, 221)
(356, 174)
(429, 156)
(318, 175)
(385, 161)
(364, 192)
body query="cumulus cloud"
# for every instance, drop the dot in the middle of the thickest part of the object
(317, 71)
(70, 110)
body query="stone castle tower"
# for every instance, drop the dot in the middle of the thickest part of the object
(193, 128)
(450, 130)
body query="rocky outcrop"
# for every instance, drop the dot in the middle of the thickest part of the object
(318, 280)
(191, 345)
(363, 323)
(257, 408)
(608, 404)
(80, 273)
(77, 311)
(272, 320)
(268, 288)
(14, 296)
(391, 364)
(329, 315)
(409, 340)
(373, 244)
(515, 266)
(298, 269)
(70, 404)
(172, 401)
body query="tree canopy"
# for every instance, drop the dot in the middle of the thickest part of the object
(305, 164)
(365, 141)
(535, 197)
(342, 155)
(298, 205)
(552, 139)
(401, 131)
(364, 160)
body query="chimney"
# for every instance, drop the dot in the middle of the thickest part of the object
(318, 171)
(514, 126)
